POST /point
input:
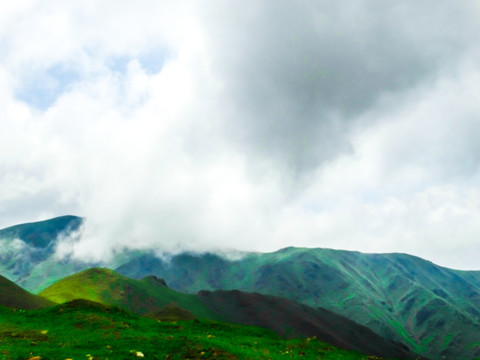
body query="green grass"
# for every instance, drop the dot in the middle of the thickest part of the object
(87, 330)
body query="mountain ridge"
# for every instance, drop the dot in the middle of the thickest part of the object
(402, 297)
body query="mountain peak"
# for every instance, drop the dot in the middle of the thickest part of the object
(41, 234)
(152, 279)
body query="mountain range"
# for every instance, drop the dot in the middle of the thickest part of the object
(433, 310)
(150, 295)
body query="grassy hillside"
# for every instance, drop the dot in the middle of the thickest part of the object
(150, 296)
(141, 297)
(12, 295)
(86, 330)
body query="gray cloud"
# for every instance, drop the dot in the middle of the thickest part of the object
(300, 73)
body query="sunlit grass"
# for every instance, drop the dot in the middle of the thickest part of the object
(86, 330)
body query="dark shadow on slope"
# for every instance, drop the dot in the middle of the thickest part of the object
(292, 319)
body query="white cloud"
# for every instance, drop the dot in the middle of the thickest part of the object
(248, 126)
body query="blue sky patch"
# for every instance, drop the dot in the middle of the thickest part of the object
(151, 61)
(119, 63)
(41, 89)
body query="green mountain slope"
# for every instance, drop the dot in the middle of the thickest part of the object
(87, 330)
(141, 297)
(13, 296)
(434, 310)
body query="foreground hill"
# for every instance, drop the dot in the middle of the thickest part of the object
(146, 296)
(150, 296)
(13, 296)
(88, 330)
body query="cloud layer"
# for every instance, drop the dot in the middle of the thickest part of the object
(249, 126)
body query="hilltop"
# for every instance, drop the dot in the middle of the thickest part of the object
(141, 297)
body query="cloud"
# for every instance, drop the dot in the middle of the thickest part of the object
(301, 73)
(250, 126)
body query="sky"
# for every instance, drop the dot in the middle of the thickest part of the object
(245, 125)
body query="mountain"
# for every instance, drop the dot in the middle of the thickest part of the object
(432, 309)
(141, 297)
(150, 296)
(27, 252)
(13, 296)
(42, 234)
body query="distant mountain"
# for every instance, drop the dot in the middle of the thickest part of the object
(42, 234)
(13, 296)
(434, 310)
(150, 296)
(27, 252)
